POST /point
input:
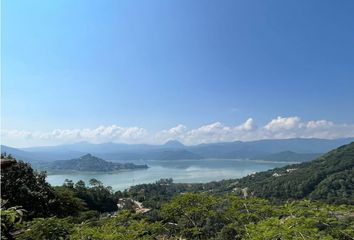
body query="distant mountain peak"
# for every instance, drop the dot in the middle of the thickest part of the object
(88, 156)
(174, 144)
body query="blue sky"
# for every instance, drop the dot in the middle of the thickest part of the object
(155, 65)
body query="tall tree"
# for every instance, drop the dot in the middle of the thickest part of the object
(22, 186)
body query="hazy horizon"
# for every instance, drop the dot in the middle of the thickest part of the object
(171, 140)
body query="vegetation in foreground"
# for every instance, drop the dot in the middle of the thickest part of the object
(32, 209)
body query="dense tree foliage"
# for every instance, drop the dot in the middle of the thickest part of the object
(205, 216)
(123, 226)
(194, 216)
(338, 188)
(154, 194)
(10, 217)
(67, 202)
(46, 228)
(22, 186)
(96, 196)
(328, 178)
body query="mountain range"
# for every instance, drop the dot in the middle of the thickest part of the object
(291, 150)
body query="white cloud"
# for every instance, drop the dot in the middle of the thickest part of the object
(319, 124)
(215, 132)
(16, 134)
(246, 126)
(280, 127)
(97, 135)
(175, 133)
(281, 123)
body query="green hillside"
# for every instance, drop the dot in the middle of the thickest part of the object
(330, 178)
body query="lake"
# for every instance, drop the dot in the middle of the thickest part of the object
(182, 171)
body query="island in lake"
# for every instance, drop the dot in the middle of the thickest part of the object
(88, 162)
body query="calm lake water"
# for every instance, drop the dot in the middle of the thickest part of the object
(182, 171)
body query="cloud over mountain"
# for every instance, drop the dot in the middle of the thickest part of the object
(281, 123)
(280, 127)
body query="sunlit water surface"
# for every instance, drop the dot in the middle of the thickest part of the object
(182, 171)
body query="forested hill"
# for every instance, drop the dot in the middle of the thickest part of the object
(330, 178)
(87, 163)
